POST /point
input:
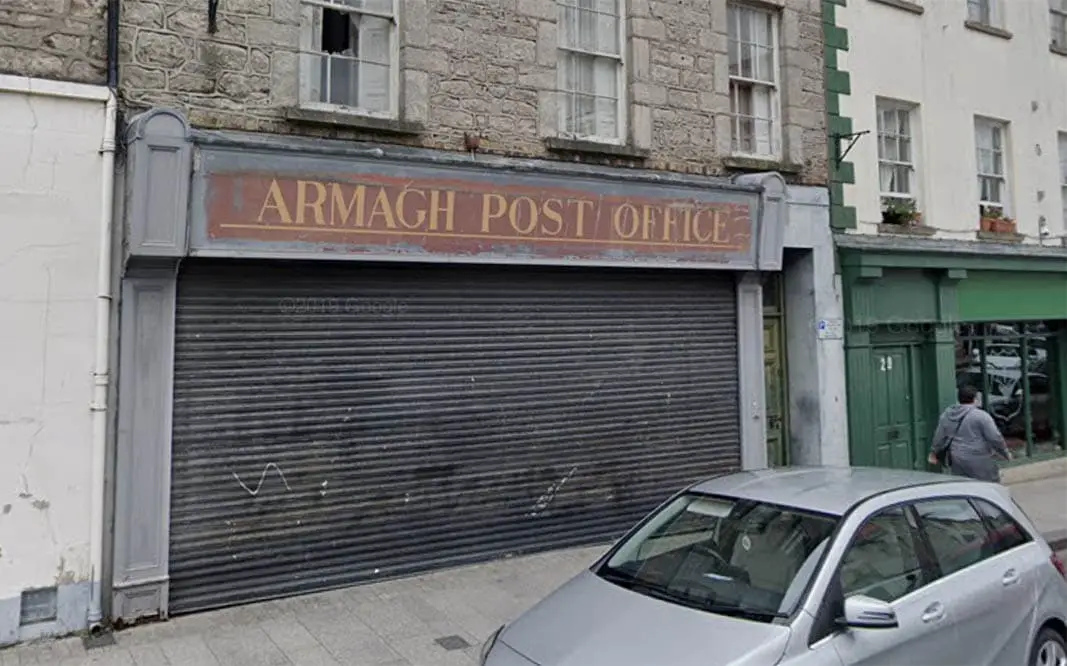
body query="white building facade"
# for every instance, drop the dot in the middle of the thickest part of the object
(949, 151)
(955, 93)
(52, 205)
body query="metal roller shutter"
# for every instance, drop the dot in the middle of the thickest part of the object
(339, 423)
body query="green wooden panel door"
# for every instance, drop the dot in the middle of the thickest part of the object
(892, 411)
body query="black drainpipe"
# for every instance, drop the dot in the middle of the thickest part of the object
(113, 44)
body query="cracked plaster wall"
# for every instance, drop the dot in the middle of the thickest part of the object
(50, 171)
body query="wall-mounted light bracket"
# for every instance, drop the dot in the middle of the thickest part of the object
(852, 137)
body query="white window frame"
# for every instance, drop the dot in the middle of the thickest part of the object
(985, 12)
(883, 105)
(621, 87)
(306, 69)
(774, 86)
(1062, 144)
(1057, 14)
(983, 124)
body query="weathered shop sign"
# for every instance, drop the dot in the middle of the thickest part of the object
(466, 217)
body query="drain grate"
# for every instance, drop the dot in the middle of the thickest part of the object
(453, 642)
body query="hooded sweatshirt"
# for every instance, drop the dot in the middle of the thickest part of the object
(972, 438)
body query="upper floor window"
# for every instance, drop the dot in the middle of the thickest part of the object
(349, 56)
(592, 70)
(896, 151)
(990, 138)
(1057, 14)
(985, 12)
(754, 80)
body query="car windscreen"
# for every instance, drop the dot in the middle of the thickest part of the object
(723, 555)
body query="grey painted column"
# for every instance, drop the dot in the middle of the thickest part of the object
(142, 469)
(772, 222)
(752, 390)
(818, 416)
(156, 209)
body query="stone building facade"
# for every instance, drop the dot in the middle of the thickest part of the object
(731, 240)
(54, 39)
(482, 67)
(641, 226)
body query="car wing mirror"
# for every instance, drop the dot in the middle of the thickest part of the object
(863, 612)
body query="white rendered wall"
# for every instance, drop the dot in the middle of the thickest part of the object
(954, 73)
(50, 170)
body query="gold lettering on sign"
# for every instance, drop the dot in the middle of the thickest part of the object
(697, 219)
(584, 205)
(449, 209)
(649, 217)
(315, 204)
(383, 209)
(341, 210)
(670, 223)
(524, 224)
(402, 211)
(494, 207)
(718, 235)
(553, 209)
(625, 221)
(275, 201)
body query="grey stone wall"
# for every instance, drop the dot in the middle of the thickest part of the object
(485, 67)
(54, 39)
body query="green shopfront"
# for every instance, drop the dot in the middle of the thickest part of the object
(923, 317)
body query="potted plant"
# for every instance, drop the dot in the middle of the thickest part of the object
(900, 212)
(992, 219)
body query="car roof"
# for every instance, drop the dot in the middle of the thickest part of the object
(829, 490)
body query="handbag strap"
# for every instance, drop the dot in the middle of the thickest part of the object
(957, 431)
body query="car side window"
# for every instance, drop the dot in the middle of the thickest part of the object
(1004, 532)
(956, 533)
(883, 560)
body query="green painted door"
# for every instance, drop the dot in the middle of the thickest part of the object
(894, 432)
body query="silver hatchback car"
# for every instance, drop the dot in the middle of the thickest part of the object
(810, 567)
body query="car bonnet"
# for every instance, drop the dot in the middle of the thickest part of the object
(591, 622)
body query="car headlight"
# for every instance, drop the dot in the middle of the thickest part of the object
(487, 647)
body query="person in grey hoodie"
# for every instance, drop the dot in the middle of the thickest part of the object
(970, 438)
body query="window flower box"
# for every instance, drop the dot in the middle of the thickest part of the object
(994, 221)
(900, 212)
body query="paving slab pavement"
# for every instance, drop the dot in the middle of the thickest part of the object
(1045, 502)
(394, 623)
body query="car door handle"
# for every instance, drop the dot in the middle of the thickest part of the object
(1011, 577)
(934, 612)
